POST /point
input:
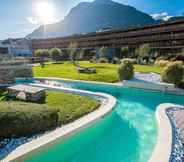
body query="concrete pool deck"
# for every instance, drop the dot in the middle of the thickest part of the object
(47, 139)
(163, 151)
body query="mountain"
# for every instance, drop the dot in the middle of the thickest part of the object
(92, 16)
(176, 18)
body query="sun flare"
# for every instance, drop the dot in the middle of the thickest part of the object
(45, 12)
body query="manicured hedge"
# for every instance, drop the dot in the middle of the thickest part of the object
(21, 118)
(103, 60)
(173, 73)
(126, 70)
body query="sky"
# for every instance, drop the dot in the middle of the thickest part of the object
(21, 17)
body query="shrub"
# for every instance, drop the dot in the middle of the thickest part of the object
(179, 62)
(21, 119)
(173, 73)
(93, 60)
(161, 63)
(55, 53)
(116, 60)
(126, 70)
(103, 60)
(181, 84)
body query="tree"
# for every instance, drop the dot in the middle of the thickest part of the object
(55, 53)
(80, 54)
(103, 52)
(143, 52)
(42, 54)
(182, 52)
(38, 53)
(72, 49)
(180, 56)
(124, 51)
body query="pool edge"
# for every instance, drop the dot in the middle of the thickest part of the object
(65, 130)
(163, 148)
(158, 87)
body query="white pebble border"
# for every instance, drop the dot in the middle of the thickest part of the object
(66, 130)
(163, 148)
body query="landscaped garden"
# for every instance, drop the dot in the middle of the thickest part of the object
(25, 119)
(106, 72)
(105, 66)
(18, 118)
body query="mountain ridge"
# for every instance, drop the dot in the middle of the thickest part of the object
(88, 17)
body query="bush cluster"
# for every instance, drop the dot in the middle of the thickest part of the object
(173, 73)
(126, 70)
(116, 60)
(181, 84)
(21, 119)
(162, 63)
(103, 60)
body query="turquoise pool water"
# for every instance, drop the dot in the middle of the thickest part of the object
(128, 134)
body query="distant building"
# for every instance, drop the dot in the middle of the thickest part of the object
(164, 38)
(16, 47)
(3, 48)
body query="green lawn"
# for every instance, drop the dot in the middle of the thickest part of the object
(59, 108)
(105, 72)
(147, 69)
(70, 106)
(2, 94)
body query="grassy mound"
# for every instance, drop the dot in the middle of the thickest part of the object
(19, 118)
(71, 106)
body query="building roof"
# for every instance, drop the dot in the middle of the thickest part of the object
(26, 88)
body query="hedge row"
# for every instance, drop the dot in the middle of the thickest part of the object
(20, 119)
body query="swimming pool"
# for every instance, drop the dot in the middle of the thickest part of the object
(128, 134)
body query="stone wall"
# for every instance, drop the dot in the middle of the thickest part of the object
(6, 76)
(12, 68)
(23, 72)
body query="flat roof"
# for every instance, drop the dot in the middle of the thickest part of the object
(26, 88)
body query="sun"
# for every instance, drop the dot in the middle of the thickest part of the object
(45, 12)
